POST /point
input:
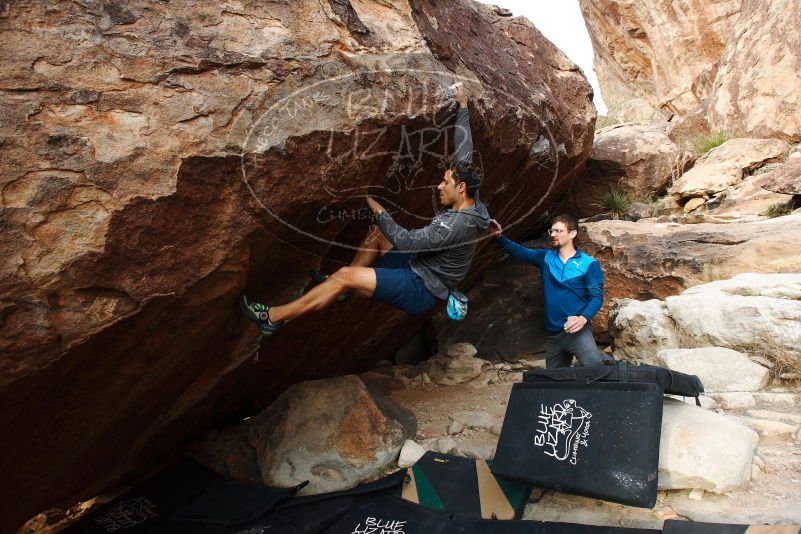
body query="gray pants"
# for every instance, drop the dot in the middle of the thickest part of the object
(562, 346)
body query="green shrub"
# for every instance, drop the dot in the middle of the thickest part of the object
(603, 121)
(705, 142)
(616, 202)
(766, 168)
(777, 210)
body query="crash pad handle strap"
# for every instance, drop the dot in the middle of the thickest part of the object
(601, 376)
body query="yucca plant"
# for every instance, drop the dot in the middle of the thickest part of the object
(616, 202)
(703, 143)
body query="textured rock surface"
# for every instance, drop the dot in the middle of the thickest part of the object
(338, 409)
(731, 65)
(647, 260)
(460, 349)
(734, 400)
(128, 229)
(751, 312)
(748, 200)
(450, 371)
(505, 319)
(477, 419)
(719, 369)
(701, 449)
(757, 89)
(768, 428)
(641, 328)
(747, 310)
(693, 204)
(787, 179)
(229, 453)
(638, 158)
(657, 56)
(329, 432)
(789, 418)
(726, 165)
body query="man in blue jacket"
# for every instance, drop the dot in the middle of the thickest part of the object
(572, 284)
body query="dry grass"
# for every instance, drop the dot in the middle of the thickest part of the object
(678, 164)
(785, 362)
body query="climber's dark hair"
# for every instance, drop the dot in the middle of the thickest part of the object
(470, 175)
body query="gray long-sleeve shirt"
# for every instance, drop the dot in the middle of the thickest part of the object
(445, 248)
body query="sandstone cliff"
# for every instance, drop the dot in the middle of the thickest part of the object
(655, 58)
(731, 65)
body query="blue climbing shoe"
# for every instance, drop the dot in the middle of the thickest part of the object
(259, 314)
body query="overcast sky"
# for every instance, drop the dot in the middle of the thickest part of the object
(561, 22)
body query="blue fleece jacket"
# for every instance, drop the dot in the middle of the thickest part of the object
(572, 288)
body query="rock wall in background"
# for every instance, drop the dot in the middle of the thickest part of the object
(651, 260)
(731, 65)
(758, 86)
(637, 158)
(657, 58)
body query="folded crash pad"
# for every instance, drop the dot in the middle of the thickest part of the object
(599, 439)
(389, 514)
(461, 525)
(310, 518)
(148, 502)
(228, 502)
(691, 527)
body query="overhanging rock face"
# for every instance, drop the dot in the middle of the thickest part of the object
(160, 158)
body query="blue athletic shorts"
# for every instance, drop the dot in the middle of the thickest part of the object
(397, 285)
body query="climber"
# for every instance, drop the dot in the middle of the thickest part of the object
(409, 269)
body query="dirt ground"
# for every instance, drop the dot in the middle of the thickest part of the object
(773, 496)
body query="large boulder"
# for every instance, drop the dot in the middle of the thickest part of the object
(160, 158)
(330, 432)
(748, 200)
(337, 407)
(757, 313)
(702, 449)
(726, 165)
(744, 311)
(786, 179)
(641, 329)
(638, 158)
(652, 260)
(719, 369)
